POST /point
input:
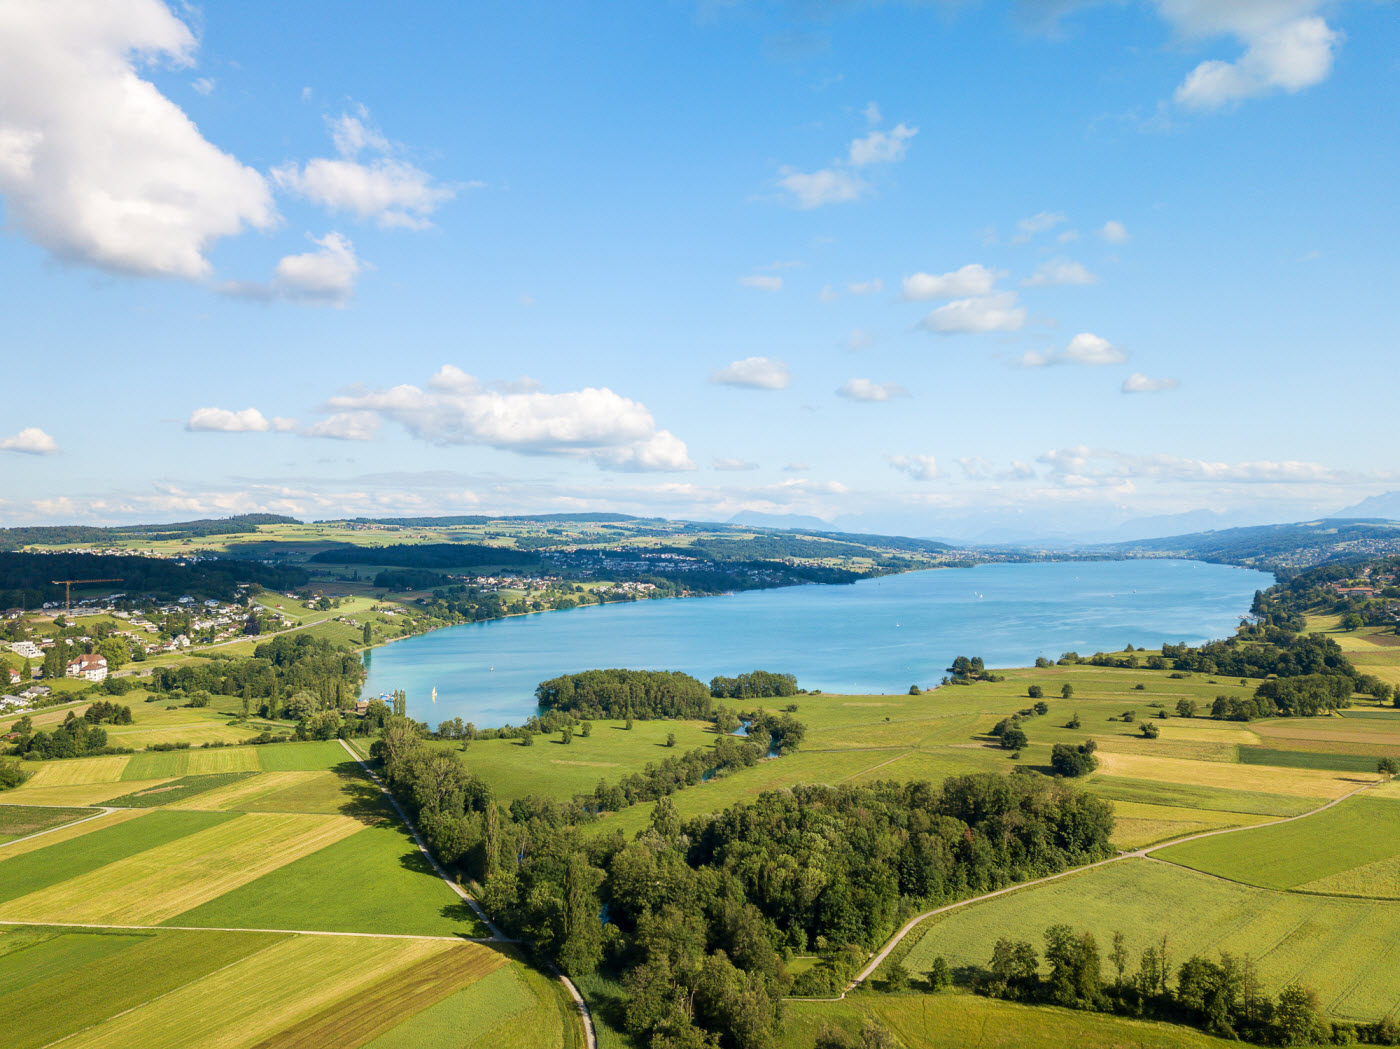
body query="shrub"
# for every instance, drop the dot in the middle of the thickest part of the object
(1035, 692)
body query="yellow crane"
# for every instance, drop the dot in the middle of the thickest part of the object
(68, 589)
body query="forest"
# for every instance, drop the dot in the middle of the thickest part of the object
(427, 555)
(27, 579)
(53, 535)
(702, 915)
(279, 668)
(616, 693)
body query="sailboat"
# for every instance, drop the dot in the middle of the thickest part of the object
(434, 693)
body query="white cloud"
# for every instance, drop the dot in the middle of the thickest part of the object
(725, 463)
(866, 287)
(985, 313)
(388, 189)
(1140, 383)
(840, 183)
(763, 282)
(865, 390)
(456, 409)
(814, 189)
(1287, 48)
(204, 85)
(882, 147)
(96, 165)
(828, 293)
(325, 276)
(1041, 222)
(796, 468)
(1058, 272)
(1114, 232)
(222, 420)
(1084, 348)
(970, 280)
(347, 426)
(759, 373)
(1081, 466)
(30, 441)
(918, 467)
(872, 114)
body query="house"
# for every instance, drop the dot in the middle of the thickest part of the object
(14, 676)
(27, 649)
(362, 707)
(89, 668)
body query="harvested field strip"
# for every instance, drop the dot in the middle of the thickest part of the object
(64, 773)
(1357, 832)
(223, 759)
(248, 1001)
(1212, 799)
(1380, 878)
(1312, 759)
(1378, 715)
(1315, 940)
(68, 833)
(233, 795)
(374, 881)
(376, 1010)
(177, 790)
(49, 1010)
(78, 794)
(1299, 782)
(159, 883)
(516, 1006)
(301, 757)
(157, 764)
(20, 821)
(56, 955)
(349, 793)
(1137, 825)
(38, 869)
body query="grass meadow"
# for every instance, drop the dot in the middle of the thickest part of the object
(19, 821)
(1315, 940)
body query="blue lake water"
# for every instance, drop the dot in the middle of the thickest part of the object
(879, 635)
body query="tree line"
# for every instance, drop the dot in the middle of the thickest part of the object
(27, 579)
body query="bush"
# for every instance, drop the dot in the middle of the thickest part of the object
(1067, 690)
(1149, 730)
(1042, 708)
(1069, 760)
(1035, 692)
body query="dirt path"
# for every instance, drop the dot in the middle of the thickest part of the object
(585, 1016)
(1143, 853)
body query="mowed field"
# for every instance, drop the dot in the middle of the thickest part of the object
(1343, 948)
(310, 846)
(174, 989)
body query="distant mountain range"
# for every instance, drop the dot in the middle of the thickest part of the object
(1276, 547)
(1386, 506)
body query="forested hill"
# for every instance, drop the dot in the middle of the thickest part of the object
(87, 535)
(26, 580)
(1275, 547)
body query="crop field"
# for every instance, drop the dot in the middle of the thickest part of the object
(1137, 825)
(302, 757)
(345, 991)
(18, 821)
(158, 883)
(371, 881)
(956, 1021)
(1255, 778)
(67, 832)
(106, 769)
(1315, 940)
(1308, 759)
(1359, 832)
(79, 794)
(168, 792)
(349, 793)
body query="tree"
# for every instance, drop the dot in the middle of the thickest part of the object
(1298, 1017)
(566, 734)
(938, 975)
(670, 739)
(586, 729)
(1035, 692)
(1014, 738)
(302, 705)
(897, 977)
(1069, 760)
(527, 739)
(1149, 730)
(1119, 957)
(1041, 708)
(1388, 767)
(1073, 721)
(367, 634)
(1067, 690)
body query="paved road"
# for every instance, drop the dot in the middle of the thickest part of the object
(1143, 853)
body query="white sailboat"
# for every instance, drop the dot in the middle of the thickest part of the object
(434, 693)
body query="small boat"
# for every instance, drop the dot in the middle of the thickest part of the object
(434, 693)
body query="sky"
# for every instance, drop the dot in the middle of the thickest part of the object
(941, 268)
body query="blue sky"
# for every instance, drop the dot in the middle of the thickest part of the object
(937, 268)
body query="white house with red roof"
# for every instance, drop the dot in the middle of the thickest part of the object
(89, 668)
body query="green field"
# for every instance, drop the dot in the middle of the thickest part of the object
(19, 821)
(958, 1021)
(373, 881)
(1358, 832)
(1306, 759)
(1315, 940)
(176, 790)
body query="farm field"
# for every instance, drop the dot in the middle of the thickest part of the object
(1291, 936)
(1359, 832)
(956, 1021)
(18, 821)
(146, 988)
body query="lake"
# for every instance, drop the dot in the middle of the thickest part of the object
(878, 635)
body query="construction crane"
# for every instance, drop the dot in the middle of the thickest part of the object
(68, 590)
